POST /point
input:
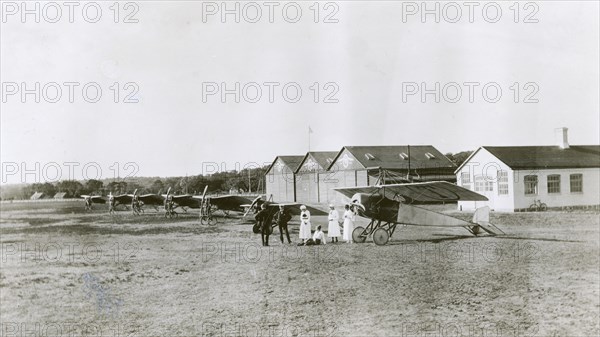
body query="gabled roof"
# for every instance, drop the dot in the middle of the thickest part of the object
(396, 157)
(531, 157)
(544, 157)
(323, 159)
(292, 162)
(60, 195)
(36, 195)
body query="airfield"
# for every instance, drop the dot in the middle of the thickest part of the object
(67, 272)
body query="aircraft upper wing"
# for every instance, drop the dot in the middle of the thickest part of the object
(294, 208)
(416, 193)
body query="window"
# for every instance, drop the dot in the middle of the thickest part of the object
(369, 156)
(429, 155)
(554, 183)
(479, 186)
(403, 156)
(489, 184)
(576, 183)
(465, 180)
(502, 183)
(531, 185)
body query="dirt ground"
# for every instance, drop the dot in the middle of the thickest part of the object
(66, 272)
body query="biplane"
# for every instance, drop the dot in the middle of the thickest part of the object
(399, 204)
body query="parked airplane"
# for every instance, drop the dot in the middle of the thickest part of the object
(390, 205)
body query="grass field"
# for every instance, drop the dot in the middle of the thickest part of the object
(66, 272)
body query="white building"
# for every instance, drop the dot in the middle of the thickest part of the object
(514, 177)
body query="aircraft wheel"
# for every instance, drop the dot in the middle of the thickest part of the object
(356, 235)
(381, 236)
(256, 228)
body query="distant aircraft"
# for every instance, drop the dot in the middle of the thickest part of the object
(226, 203)
(92, 199)
(223, 203)
(123, 199)
(390, 205)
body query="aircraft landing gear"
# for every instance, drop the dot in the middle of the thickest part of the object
(170, 214)
(359, 234)
(381, 236)
(381, 233)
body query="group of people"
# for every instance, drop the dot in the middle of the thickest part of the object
(307, 238)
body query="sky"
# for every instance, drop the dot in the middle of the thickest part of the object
(371, 62)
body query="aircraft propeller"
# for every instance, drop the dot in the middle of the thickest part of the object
(252, 205)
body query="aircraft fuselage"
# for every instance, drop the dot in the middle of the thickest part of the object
(375, 206)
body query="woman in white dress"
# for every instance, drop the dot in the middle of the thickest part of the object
(333, 231)
(305, 230)
(348, 224)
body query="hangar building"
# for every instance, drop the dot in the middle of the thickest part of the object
(280, 178)
(312, 168)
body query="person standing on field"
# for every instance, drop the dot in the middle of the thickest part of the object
(263, 218)
(282, 218)
(348, 223)
(305, 228)
(333, 231)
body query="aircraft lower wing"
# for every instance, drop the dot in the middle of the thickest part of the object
(418, 193)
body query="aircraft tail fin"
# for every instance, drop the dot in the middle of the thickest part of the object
(482, 218)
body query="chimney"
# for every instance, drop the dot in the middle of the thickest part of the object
(561, 137)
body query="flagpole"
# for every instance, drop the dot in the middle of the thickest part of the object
(309, 138)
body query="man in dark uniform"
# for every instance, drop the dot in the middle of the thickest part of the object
(282, 217)
(263, 219)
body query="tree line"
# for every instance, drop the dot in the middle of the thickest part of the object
(244, 181)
